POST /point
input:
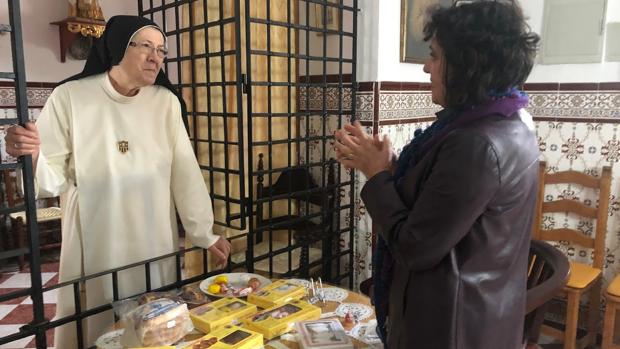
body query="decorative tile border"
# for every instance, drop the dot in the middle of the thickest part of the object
(37, 94)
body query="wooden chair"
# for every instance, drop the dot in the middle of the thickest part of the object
(584, 278)
(547, 274)
(611, 312)
(48, 218)
(294, 184)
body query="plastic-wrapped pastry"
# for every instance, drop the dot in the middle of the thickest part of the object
(161, 322)
(192, 295)
(254, 283)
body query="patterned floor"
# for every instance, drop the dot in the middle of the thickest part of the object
(17, 312)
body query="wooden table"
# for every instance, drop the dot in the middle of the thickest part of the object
(328, 307)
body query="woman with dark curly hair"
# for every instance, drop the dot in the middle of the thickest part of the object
(453, 212)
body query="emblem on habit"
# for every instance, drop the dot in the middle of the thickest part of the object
(123, 146)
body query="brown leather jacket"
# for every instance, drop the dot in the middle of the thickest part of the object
(458, 227)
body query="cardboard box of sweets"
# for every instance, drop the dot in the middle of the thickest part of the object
(229, 337)
(278, 320)
(276, 293)
(211, 316)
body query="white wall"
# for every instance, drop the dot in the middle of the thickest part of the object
(598, 72)
(383, 49)
(41, 40)
(367, 40)
(390, 67)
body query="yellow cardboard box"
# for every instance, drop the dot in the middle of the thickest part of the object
(278, 320)
(211, 316)
(277, 293)
(232, 337)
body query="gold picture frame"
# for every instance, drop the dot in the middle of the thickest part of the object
(413, 49)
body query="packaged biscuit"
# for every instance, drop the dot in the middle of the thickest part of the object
(211, 316)
(281, 319)
(277, 293)
(229, 337)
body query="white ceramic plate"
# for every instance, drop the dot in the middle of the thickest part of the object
(110, 340)
(237, 280)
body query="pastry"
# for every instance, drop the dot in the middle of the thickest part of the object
(254, 283)
(161, 322)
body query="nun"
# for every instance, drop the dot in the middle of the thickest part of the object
(112, 141)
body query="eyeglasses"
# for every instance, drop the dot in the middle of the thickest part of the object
(148, 48)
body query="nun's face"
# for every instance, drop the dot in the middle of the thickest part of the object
(144, 56)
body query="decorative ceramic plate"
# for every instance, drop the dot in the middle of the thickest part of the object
(110, 340)
(366, 333)
(358, 310)
(237, 281)
(300, 282)
(335, 294)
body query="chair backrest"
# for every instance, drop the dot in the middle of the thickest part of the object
(13, 195)
(600, 213)
(547, 273)
(297, 185)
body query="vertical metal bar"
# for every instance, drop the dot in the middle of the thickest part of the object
(78, 310)
(193, 77)
(205, 262)
(177, 259)
(164, 27)
(21, 106)
(239, 87)
(147, 276)
(115, 285)
(140, 8)
(269, 137)
(289, 119)
(178, 42)
(150, 8)
(326, 254)
(208, 87)
(335, 240)
(353, 116)
(224, 110)
(249, 259)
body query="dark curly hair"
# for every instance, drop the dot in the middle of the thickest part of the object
(488, 48)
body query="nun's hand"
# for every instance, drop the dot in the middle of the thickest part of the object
(220, 250)
(361, 151)
(23, 141)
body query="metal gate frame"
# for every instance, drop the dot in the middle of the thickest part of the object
(40, 324)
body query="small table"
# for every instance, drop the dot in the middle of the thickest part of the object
(328, 307)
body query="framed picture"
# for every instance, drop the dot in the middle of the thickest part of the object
(326, 16)
(413, 48)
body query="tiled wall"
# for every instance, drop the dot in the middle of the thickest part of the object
(576, 126)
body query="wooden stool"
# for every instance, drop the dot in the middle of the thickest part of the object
(611, 312)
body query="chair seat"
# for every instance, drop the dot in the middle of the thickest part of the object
(614, 287)
(582, 275)
(280, 261)
(43, 214)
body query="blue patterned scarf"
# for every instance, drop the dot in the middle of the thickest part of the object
(505, 104)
